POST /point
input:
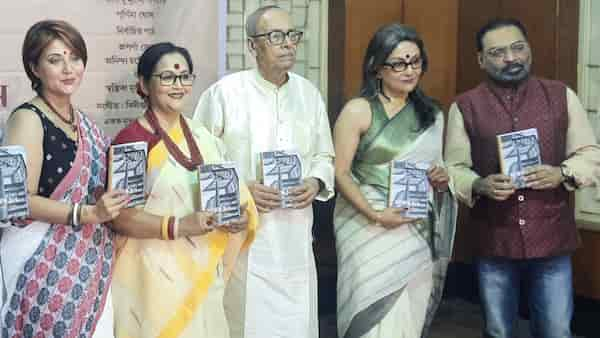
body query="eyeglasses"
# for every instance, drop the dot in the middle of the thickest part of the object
(169, 78)
(517, 48)
(401, 66)
(277, 37)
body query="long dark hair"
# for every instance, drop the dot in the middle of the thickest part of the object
(385, 40)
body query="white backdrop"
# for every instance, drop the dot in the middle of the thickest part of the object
(116, 32)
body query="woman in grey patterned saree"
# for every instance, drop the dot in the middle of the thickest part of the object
(391, 267)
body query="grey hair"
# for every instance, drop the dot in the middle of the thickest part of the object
(253, 19)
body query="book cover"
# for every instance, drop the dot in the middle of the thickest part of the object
(410, 188)
(220, 190)
(127, 170)
(282, 170)
(518, 150)
(13, 183)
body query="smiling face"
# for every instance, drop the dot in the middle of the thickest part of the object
(59, 69)
(168, 96)
(403, 82)
(274, 58)
(506, 56)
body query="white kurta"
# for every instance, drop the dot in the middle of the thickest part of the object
(273, 293)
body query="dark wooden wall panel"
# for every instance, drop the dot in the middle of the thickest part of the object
(335, 58)
(541, 20)
(472, 15)
(568, 40)
(363, 18)
(440, 35)
(586, 265)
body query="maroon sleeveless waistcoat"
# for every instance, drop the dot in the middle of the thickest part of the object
(530, 223)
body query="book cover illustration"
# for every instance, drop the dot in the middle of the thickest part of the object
(13, 183)
(127, 170)
(518, 150)
(282, 170)
(220, 190)
(410, 188)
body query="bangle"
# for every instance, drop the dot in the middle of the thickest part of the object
(164, 228)
(176, 228)
(170, 228)
(79, 212)
(70, 216)
(75, 214)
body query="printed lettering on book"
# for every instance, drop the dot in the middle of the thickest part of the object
(518, 150)
(409, 188)
(127, 170)
(220, 191)
(14, 203)
(282, 170)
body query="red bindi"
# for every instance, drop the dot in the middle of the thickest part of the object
(176, 66)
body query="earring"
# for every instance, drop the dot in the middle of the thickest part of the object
(380, 88)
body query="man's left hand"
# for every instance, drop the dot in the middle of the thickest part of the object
(305, 194)
(542, 177)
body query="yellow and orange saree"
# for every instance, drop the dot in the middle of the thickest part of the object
(175, 288)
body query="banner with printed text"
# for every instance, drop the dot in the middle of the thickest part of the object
(116, 33)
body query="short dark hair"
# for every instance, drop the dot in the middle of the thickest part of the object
(152, 55)
(495, 24)
(40, 35)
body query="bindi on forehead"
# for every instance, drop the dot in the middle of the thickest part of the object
(405, 57)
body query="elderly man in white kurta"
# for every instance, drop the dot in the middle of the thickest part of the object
(273, 293)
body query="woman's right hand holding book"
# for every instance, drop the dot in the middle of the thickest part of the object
(197, 223)
(107, 207)
(391, 218)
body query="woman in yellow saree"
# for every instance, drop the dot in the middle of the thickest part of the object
(171, 269)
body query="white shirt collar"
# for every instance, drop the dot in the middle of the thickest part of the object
(267, 85)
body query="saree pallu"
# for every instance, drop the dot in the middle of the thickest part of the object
(383, 273)
(175, 288)
(57, 277)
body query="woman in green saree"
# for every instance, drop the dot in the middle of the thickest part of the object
(390, 268)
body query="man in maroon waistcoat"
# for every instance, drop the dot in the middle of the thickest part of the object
(525, 234)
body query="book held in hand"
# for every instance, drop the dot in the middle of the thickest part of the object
(409, 188)
(220, 191)
(518, 150)
(282, 170)
(127, 170)
(14, 203)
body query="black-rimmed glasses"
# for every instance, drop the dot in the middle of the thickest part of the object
(400, 66)
(277, 37)
(517, 48)
(169, 78)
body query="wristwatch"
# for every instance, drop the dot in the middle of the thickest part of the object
(568, 176)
